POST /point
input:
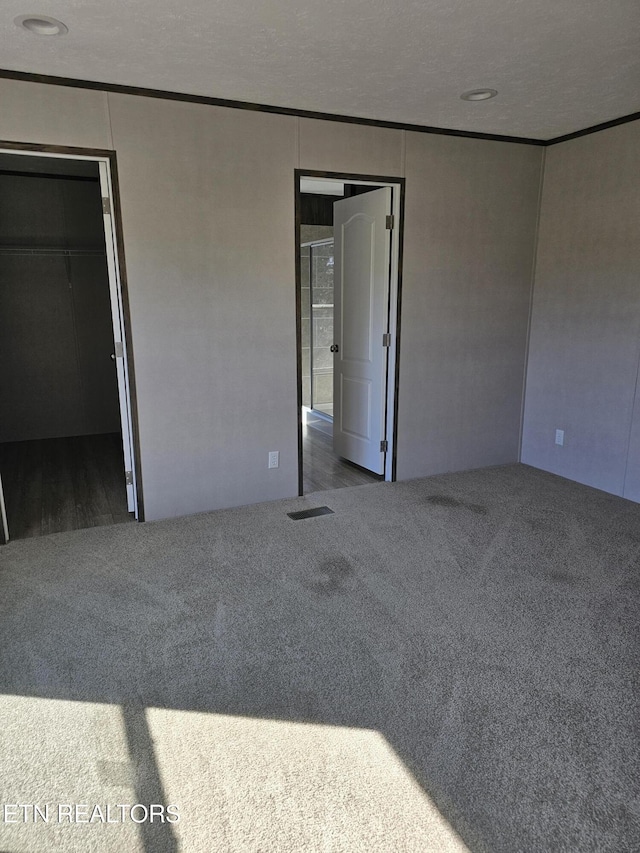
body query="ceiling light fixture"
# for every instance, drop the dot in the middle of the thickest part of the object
(479, 94)
(41, 25)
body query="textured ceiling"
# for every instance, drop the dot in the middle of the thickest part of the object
(558, 65)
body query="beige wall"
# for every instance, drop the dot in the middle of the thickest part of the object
(207, 206)
(585, 328)
(471, 210)
(53, 115)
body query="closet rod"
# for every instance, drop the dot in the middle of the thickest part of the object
(39, 250)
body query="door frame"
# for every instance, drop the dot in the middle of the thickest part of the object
(106, 158)
(395, 301)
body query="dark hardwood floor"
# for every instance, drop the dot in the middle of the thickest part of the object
(59, 484)
(322, 469)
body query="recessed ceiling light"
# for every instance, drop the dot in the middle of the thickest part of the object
(479, 95)
(41, 25)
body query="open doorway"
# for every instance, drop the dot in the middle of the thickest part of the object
(66, 440)
(348, 238)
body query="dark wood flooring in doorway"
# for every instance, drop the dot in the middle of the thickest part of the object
(57, 484)
(322, 469)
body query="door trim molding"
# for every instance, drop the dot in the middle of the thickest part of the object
(398, 186)
(112, 164)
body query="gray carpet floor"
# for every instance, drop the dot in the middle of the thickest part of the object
(445, 664)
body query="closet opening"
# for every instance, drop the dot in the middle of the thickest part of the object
(66, 444)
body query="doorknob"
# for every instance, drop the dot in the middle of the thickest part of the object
(334, 348)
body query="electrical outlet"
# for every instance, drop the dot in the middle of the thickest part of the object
(274, 459)
(560, 437)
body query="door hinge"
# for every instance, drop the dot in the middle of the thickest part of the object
(119, 349)
(386, 340)
(390, 222)
(128, 478)
(384, 446)
(106, 205)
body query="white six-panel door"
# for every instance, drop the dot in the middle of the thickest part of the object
(361, 310)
